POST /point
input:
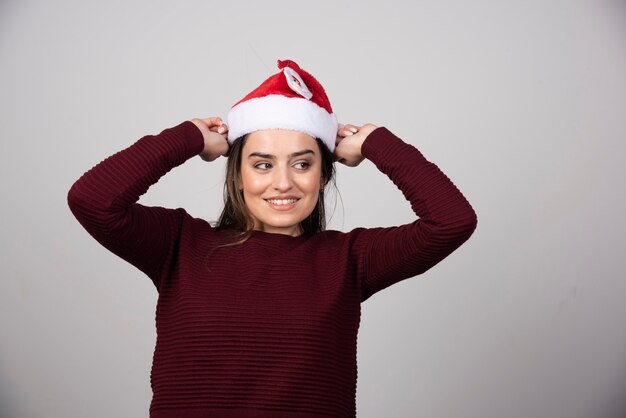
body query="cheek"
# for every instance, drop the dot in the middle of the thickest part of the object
(253, 183)
(310, 184)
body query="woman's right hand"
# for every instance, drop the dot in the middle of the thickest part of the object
(214, 132)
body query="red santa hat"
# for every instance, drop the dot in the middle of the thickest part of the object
(291, 99)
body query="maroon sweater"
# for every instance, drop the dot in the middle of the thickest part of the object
(267, 328)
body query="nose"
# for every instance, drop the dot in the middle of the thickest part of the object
(282, 180)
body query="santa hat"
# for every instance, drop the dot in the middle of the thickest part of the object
(291, 99)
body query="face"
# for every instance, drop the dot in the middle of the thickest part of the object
(280, 179)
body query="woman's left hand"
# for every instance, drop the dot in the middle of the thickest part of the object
(349, 141)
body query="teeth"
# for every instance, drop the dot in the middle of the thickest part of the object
(281, 201)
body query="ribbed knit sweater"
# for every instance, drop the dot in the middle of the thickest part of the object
(267, 328)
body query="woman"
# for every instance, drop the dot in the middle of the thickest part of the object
(258, 315)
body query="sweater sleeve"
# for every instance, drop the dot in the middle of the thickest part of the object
(104, 199)
(445, 218)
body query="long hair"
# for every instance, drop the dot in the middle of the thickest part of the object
(236, 215)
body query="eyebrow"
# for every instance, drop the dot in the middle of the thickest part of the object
(273, 157)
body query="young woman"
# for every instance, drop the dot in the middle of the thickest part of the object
(258, 315)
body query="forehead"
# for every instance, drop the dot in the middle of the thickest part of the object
(279, 142)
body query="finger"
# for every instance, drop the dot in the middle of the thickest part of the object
(351, 128)
(213, 121)
(348, 130)
(342, 134)
(219, 129)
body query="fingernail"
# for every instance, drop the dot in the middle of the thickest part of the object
(349, 133)
(353, 129)
(221, 129)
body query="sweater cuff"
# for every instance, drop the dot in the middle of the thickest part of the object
(376, 142)
(188, 133)
(382, 145)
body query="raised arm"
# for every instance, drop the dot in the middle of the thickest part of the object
(104, 199)
(445, 218)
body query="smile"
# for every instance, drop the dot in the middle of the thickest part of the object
(280, 202)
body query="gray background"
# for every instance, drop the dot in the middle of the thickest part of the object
(521, 103)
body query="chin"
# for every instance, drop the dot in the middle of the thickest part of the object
(283, 222)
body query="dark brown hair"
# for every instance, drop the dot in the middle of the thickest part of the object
(235, 214)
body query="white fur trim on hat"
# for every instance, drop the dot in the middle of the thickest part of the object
(276, 111)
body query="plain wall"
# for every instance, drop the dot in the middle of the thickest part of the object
(521, 103)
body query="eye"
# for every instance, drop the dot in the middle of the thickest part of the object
(302, 165)
(262, 166)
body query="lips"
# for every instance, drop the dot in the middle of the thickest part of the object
(283, 203)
